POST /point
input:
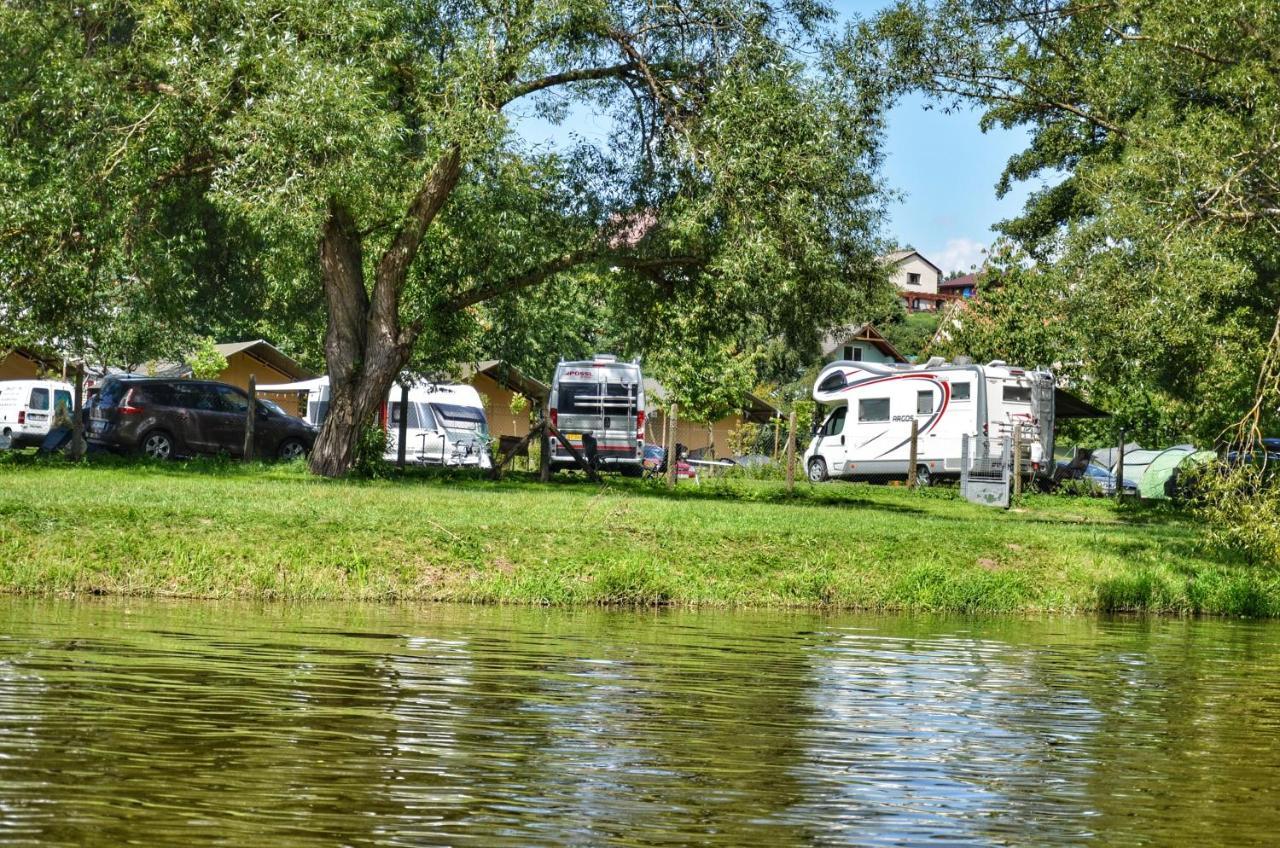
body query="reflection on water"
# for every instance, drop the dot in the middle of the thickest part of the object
(207, 724)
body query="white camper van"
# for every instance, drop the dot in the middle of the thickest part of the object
(599, 402)
(867, 429)
(446, 422)
(27, 407)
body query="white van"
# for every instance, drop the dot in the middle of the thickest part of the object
(867, 432)
(27, 407)
(446, 422)
(599, 400)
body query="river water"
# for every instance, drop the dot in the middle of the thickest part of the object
(194, 724)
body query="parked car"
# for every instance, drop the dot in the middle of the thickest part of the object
(27, 407)
(163, 419)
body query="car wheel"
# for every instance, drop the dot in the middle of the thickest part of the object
(291, 449)
(157, 445)
(817, 470)
(923, 477)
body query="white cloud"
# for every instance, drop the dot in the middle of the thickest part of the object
(960, 254)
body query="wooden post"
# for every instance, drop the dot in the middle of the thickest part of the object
(250, 418)
(915, 453)
(403, 445)
(672, 460)
(544, 452)
(1120, 468)
(77, 420)
(1018, 459)
(791, 452)
(777, 435)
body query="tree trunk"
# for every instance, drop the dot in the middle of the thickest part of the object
(365, 346)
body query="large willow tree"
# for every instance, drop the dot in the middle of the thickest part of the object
(368, 155)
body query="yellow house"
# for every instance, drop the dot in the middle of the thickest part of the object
(696, 436)
(499, 383)
(23, 364)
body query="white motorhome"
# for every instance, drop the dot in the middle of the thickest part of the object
(599, 403)
(867, 430)
(27, 408)
(446, 423)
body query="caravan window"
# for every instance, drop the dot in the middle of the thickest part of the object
(959, 391)
(413, 415)
(873, 409)
(454, 417)
(39, 399)
(1017, 394)
(924, 403)
(317, 411)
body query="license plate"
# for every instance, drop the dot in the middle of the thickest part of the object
(97, 426)
(577, 436)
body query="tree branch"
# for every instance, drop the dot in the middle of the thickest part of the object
(521, 89)
(574, 258)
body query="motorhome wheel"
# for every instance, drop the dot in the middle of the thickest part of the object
(923, 477)
(817, 470)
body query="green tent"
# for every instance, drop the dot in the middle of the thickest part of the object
(1159, 480)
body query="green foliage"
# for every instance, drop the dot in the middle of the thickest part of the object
(371, 460)
(912, 333)
(206, 361)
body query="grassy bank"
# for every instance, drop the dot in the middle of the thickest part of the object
(211, 530)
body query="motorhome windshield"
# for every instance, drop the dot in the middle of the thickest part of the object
(587, 398)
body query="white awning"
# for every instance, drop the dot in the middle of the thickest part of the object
(300, 386)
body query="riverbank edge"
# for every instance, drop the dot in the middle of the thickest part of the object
(276, 534)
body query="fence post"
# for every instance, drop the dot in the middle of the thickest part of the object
(250, 418)
(77, 421)
(544, 450)
(403, 442)
(1017, 459)
(915, 453)
(791, 451)
(1120, 468)
(672, 460)
(964, 463)
(777, 435)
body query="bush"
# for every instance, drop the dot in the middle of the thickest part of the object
(370, 460)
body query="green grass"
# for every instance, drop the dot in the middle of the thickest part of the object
(212, 529)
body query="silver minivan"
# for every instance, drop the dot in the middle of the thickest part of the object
(598, 405)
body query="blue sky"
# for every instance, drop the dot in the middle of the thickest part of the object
(946, 170)
(943, 166)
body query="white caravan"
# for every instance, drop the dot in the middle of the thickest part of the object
(27, 408)
(867, 432)
(446, 422)
(599, 401)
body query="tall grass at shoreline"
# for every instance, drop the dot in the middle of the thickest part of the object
(217, 530)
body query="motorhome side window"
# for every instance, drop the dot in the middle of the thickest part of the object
(924, 403)
(1017, 394)
(959, 391)
(873, 409)
(835, 422)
